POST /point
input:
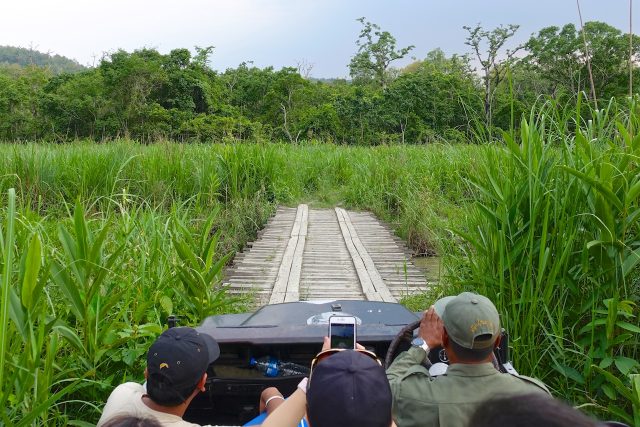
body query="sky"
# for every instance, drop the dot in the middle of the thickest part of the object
(278, 33)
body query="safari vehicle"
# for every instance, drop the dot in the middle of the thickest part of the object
(292, 332)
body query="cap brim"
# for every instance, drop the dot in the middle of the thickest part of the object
(212, 346)
(440, 305)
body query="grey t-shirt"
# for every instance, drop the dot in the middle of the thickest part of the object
(126, 399)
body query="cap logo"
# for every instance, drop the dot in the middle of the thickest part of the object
(478, 324)
(164, 365)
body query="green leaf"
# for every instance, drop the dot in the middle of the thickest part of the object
(18, 315)
(609, 391)
(31, 271)
(635, 388)
(570, 372)
(61, 278)
(633, 193)
(150, 329)
(166, 304)
(589, 327)
(617, 383)
(628, 326)
(71, 336)
(606, 362)
(625, 365)
(80, 226)
(606, 193)
(630, 262)
(621, 339)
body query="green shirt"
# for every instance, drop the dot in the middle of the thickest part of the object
(450, 399)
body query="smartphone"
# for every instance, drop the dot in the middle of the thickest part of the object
(342, 332)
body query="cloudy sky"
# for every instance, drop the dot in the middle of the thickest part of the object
(278, 32)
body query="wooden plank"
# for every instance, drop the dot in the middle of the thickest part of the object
(317, 254)
(379, 287)
(287, 281)
(293, 285)
(394, 264)
(360, 259)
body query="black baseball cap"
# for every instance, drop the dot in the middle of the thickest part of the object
(175, 363)
(349, 389)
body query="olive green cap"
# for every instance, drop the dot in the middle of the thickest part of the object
(441, 304)
(471, 320)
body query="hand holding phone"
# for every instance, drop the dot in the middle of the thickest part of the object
(342, 332)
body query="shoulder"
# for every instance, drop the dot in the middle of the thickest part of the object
(121, 401)
(129, 388)
(532, 382)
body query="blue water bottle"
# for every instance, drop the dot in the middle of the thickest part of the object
(267, 365)
(272, 367)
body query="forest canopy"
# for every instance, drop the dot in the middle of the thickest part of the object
(25, 57)
(149, 96)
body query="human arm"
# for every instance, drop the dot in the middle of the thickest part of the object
(288, 413)
(430, 331)
(270, 399)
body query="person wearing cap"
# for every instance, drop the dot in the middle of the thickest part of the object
(468, 327)
(346, 388)
(176, 372)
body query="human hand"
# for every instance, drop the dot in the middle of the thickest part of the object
(326, 345)
(431, 328)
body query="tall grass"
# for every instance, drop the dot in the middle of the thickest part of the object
(554, 240)
(544, 222)
(102, 242)
(86, 297)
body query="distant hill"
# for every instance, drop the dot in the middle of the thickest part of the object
(23, 57)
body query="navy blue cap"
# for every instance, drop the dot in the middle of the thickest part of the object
(176, 362)
(349, 389)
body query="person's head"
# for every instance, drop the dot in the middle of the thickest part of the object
(131, 421)
(177, 363)
(471, 327)
(349, 389)
(528, 410)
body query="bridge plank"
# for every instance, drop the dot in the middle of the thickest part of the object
(311, 254)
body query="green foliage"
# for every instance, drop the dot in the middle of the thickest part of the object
(558, 55)
(199, 269)
(376, 51)
(57, 64)
(176, 96)
(554, 242)
(486, 46)
(79, 311)
(114, 238)
(430, 98)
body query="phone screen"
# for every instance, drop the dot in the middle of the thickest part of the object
(343, 335)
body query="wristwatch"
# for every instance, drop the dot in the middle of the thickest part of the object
(419, 342)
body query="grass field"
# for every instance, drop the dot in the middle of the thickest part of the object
(101, 242)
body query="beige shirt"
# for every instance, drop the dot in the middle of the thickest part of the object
(126, 399)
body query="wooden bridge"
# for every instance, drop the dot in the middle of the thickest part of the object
(320, 254)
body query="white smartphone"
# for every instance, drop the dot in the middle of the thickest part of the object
(342, 332)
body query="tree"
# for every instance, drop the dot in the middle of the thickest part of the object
(376, 50)
(493, 68)
(20, 92)
(430, 97)
(74, 104)
(559, 56)
(130, 81)
(25, 57)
